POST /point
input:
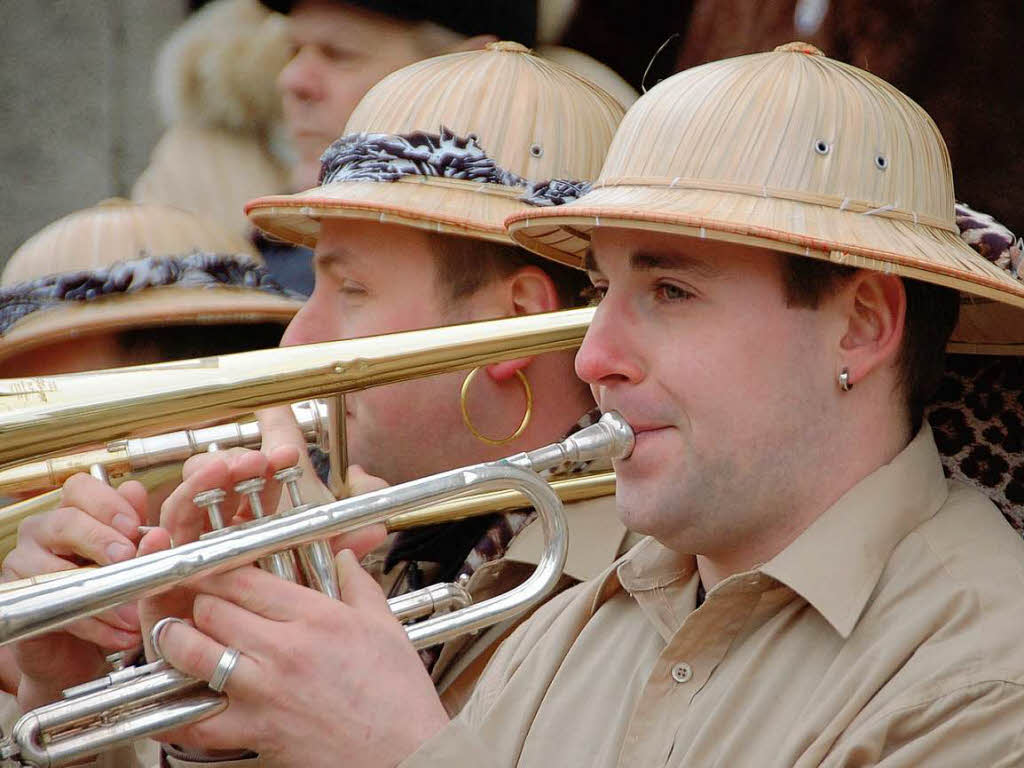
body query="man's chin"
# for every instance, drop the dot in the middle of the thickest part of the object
(636, 510)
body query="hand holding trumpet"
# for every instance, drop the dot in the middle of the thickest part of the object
(283, 631)
(95, 524)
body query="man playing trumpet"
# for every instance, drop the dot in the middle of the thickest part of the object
(408, 230)
(773, 241)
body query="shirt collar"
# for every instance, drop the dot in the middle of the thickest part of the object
(595, 537)
(836, 562)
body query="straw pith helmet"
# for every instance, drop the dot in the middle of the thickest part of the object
(116, 230)
(121, 266)
(452, 144)
(788, 150)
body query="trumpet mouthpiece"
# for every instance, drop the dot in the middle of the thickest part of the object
(610, 438)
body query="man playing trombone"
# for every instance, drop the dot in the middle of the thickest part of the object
(773, 242)
(405, 243)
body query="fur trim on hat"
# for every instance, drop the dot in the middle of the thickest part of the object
(123, 277)
(219, 69)
(387, 157)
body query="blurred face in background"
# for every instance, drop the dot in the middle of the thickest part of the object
(339, 52)
(100, 350)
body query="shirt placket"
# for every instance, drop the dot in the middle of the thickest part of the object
(684, 667)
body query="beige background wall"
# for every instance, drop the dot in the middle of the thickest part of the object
(77, 115)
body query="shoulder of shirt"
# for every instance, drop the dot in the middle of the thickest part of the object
(955, 589)
(974, 544)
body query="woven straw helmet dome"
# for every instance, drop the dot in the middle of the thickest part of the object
(532, 117)
(121, 231)
(788, 150)
(117, 230)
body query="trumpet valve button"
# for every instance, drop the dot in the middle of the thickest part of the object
(250, 486)
(288, 474)
(118, 661)
(290, 477)
(210, 501)
(209, 498)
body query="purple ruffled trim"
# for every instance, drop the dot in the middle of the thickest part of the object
(991, 239)
(555, 192)
(194, 269)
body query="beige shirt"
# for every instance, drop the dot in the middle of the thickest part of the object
(597, 538)
(891, 632)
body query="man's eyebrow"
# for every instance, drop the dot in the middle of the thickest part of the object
(331, 258)
(647, 260)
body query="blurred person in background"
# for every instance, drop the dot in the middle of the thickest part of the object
(341, 48)
(215, 81)
(126, 283)
(338, 50)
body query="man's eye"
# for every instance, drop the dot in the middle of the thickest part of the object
(671, 292)
(351, 289)
(593, 294)
(333, 53)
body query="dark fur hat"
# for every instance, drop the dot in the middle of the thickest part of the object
(507, 19)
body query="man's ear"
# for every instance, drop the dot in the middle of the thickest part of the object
(475, 43)
(875, 307)
(531, 291)
(506, 370)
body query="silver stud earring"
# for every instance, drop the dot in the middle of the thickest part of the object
(844, 380)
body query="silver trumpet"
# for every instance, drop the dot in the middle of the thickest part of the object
(133, 703)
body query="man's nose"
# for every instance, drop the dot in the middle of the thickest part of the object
(304, 327)
(608, 353)
(301, 77)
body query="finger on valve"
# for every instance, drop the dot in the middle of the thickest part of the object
(281, 433)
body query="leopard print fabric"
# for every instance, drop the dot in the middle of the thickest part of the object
(978, 421)
(977, 415)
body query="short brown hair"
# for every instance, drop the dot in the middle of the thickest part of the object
(931, 315)
(466, 265)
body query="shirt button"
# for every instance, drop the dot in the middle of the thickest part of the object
(682, 672)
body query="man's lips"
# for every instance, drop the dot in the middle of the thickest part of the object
(641, 428)
(643, 433)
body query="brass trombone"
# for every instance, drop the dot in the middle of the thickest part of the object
(43, 416)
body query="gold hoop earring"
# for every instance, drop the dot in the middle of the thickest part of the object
(469, 423)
